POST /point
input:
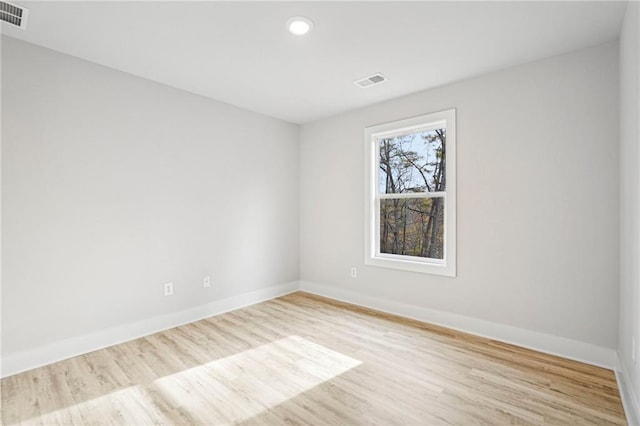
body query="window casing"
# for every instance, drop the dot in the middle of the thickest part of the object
(410, 201)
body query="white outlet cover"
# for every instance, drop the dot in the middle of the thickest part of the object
(206, 282)
(168, 289)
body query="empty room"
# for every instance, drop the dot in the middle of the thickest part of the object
(320, 213)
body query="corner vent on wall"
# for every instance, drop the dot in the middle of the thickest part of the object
(371, 80)
(13, 14)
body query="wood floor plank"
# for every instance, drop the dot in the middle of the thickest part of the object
(302, 359)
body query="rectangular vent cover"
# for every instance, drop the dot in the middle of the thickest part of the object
(371, 80)
(14, 15)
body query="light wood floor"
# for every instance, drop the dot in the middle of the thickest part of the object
(301, 359)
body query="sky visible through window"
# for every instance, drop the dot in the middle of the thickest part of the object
(409, 163)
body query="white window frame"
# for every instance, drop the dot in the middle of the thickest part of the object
(373, 257)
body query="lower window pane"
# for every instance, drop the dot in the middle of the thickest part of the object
(412, 227)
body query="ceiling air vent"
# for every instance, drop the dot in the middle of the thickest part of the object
(13, 14)
(371, 80)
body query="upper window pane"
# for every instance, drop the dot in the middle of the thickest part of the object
(414, 162)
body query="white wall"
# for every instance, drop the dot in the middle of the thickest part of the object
(537, 201)
(113, 185)
(630, 203)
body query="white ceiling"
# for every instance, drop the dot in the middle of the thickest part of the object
(241, 53)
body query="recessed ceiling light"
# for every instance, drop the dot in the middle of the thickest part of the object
(299, 25)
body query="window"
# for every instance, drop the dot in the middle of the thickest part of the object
(411, 194)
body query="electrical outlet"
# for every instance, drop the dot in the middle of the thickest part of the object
(354, 272)
(168, 289)
(633, 350)
(206, 282)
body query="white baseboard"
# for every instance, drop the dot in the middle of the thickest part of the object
(542, 342)
(68, 348)
(629, 398)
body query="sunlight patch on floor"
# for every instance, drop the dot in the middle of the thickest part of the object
(245, 384)
(226, 390)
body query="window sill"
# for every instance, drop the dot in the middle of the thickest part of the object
(433, 268)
